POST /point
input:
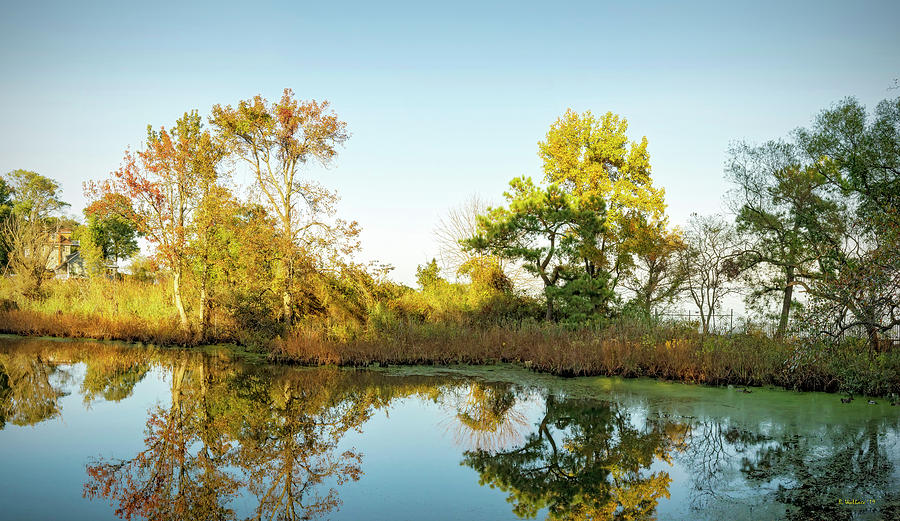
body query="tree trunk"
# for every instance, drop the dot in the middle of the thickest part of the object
(204, 286)
(286, 301)
(287, 298)
(646, 305)
(204, 312)
(548, 316)
(874, 341)
(786, 303)
(705, 319)
(176, 288)
(288, 245)
(178, 372)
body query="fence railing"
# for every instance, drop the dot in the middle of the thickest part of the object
(722, 323)
(729, 323)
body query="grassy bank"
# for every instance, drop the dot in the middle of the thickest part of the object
(417, 329)
(103, 309)
(94, 326)
(621, 349)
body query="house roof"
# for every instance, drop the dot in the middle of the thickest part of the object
(61, 237)
(72, 257)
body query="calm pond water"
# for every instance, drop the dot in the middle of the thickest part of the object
(100, 431)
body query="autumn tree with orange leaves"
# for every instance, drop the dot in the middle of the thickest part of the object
(163, 183)
(276, 141)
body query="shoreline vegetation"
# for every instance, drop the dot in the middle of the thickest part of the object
(571, 275)
(627, 348)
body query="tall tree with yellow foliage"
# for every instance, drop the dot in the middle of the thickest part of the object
(591, 156)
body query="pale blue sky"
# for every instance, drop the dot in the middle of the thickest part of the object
(443, 101)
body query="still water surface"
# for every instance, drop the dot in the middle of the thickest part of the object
(102, 431)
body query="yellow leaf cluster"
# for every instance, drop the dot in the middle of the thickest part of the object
(593, 156)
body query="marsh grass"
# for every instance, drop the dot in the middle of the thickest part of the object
(622, 349)
(112, 309)
(94, 326)
(100, 296)
(99, 308)
(136, 311)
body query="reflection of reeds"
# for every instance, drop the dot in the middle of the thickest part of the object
(487, 418)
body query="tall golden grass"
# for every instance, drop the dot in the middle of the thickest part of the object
(103, 309)
(627, 350)
(98, 327)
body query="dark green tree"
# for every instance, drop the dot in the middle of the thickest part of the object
(550, 232)
(783, 210)
(115, 236)
(858, 154)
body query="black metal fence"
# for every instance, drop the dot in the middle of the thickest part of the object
(720, 323)
(729, 323)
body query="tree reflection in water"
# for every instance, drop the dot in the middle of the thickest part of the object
(168, 480)
(586, 460)
(271, 435)
(289, 443)
(266, 441)
(811, 473)
(28, 392)
(486, 416)
(112, 377)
